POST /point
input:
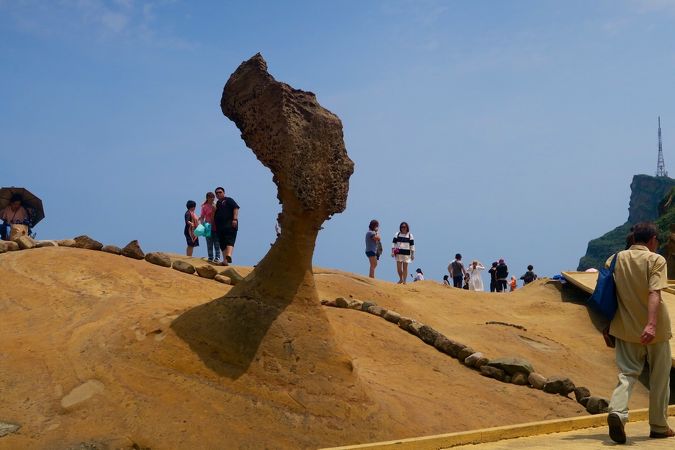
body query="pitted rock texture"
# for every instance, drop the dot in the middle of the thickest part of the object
(293, 135)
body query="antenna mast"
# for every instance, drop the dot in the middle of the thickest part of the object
(660, 165)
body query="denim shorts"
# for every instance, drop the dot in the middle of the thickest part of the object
(369, 254)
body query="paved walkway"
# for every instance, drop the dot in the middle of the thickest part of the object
(587, 439)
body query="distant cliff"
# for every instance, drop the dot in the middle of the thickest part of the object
(647, 195)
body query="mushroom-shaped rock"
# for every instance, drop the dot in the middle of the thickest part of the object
(87, 243)
(133, 250)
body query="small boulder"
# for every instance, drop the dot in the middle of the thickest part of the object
(559, 385)
(536, 380)
(392, 316)
(25, 242)
(43, 244)
(222, 279)
(183, 266)
(87, 243)
(480, 362)
(414, 328)
(584, 401)
(376, 310)
(324, 302)
(354, 304)
(133, 250)
(597, 405)
(428, 334)
(464, 353)
(340, 302)
(404, 323)
(8, 246)
(207, 271)
(66, 243)
(112, 249)
(158, 258)
(472, 359)
(233, 275)
(447, 346)
(512, 365)
(519, 378)
(581, 392)
(492, 372)
(365, 305)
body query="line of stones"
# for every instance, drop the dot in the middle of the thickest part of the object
(131, 250)
(508, 370)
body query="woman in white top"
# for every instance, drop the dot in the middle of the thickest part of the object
(403, 251)
(475, 282)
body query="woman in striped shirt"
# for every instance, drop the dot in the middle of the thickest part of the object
(403, 250)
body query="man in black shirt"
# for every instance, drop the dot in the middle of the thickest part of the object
(226, 219)
(502, 274)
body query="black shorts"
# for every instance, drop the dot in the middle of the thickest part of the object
(190, 242)
(227, 237)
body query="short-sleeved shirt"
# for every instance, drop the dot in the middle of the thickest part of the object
(18, 216)
(207, 212)
(225, 212)
(637, 272)
(371, 244)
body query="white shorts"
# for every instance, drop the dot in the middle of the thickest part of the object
(403, 258)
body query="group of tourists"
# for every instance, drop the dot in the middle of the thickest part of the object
(403, 252)
(218, 222)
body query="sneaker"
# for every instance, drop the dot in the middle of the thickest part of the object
(209, 260)
(665, 434)
(616, 431)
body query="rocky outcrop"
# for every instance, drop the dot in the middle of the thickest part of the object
(87, 243)
(647, 194)
(133, 250)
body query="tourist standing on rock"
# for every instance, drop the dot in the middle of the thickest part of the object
(502, 273)
(403, 251)
(372, 241)
(529, 276)
(475, 281)
(457, 271)
(493, 276)
(206, 216)
(641, 327)
(191, 222)
(227, 223)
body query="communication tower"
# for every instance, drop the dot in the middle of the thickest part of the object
(660, 165)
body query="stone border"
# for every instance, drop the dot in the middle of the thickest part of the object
(132, 250)
(485, 435)
(507, 370)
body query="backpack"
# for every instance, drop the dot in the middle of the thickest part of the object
(603, 300)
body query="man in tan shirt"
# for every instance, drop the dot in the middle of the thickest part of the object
(642, 330)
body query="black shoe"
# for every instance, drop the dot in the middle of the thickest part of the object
(616, 431)
(228, 258)
(665, 434)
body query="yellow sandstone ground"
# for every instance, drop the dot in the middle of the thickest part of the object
(89, 356)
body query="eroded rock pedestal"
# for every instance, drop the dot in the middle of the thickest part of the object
(270, 326)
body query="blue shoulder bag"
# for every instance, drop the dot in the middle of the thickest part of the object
(603, 300)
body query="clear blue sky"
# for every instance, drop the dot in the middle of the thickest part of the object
(495, 128)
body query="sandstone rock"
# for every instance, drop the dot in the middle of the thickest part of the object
(340, 302)
(581, 392)
(519, 378)
(492, 372)
(376, 310)
(324, 302)
(112, 249)
(25, 242)
(222, 279)
(365, 305)
(183, 266)
(404, 323)
(8, 246)
(207, 271)
(472, 359)
(428, 334)
(66, 243)
(133, 250)
(392, 316)
(414, 328)
(480, 362)
(158, 258)
(445, 345)
(46, 243)
(512, 365)
(536, 380)
(559, 385)
(354, 304)
(8, 428)
(16, 231)
(233, 275)
(87, 243)
(597, 405)
(464, 353)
